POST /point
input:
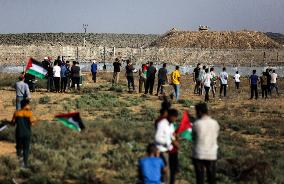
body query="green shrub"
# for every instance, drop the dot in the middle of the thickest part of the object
(44, 100)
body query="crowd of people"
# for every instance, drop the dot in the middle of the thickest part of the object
(61, 76)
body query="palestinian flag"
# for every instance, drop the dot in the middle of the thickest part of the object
(71, 120)
(35, 68)
(185, 127)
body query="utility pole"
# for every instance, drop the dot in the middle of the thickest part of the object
(85, 26)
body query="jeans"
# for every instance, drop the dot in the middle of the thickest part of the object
(253, 91)
(23, 147)
(176, 91)
(130, 81)
(272, 86)
(196, 88)
(115, 77)
(223, 86)
(18, 102)
(142, 83)
(264, 91)
(64, 84)
(94, 74)
(161, 82)
(149, 85)
(57, 83)
(50, 84)
(207, 89)
(75, 81)
(200, 166)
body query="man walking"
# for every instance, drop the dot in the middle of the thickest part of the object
(273, 82)
(94, 68)
(224, 82)
(176, 82)
(263, 85)
(162, 79)
(116, 71)
(237, 77)
(22, 92)
(205, 132)
(150, 81)
(129, 75)
(207, 84)
(195, 78)
(253, 85)
(23, 120)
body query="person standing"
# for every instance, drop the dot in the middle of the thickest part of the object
(273, 82)
(205, 133)
(129, 75)
(268, 73)
(116, 71)
(75, 74)
(23, 120)
(176, 82)
(63, 75)
(22, 92)
(207, 83)
(151, 168)
(164, 137)
(201, 77)
(224, 82)
(50, 81)
(213, 81)
(253, 85)
(150, 81)
(56, 78)
(142, 77)
(94, 68)
(68, 74)
(263, 85)
(237, 77)
(162, 79)
(195, 78)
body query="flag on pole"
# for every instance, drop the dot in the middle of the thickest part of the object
(35, 68)
(185, 127)
(71, 120)
(3, 126)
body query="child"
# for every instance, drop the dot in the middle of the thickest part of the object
(151, 167)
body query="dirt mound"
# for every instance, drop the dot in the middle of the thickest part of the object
(215, 40)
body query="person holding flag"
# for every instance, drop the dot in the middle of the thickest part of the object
(23, 120)
(205, 131)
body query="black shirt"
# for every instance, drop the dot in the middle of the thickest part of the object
(196, 72)
(162, 74)
(116, 66)
(151, 72)
(75, 71)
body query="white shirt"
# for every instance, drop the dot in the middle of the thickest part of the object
(224, 77)
(273, 78)
(205, 132)
(237, 77)
(56, 71)
(163, 136)
(207, 79)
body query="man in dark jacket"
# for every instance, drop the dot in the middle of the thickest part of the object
(151, 72)
(75, 74)
(129, 75)
(162, 79)
(116, 71)
(94, 68)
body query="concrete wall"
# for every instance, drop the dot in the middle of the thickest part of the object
(16, 55)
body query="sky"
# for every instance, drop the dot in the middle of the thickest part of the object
(139, 16)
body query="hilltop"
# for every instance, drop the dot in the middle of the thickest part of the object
(215, 40)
